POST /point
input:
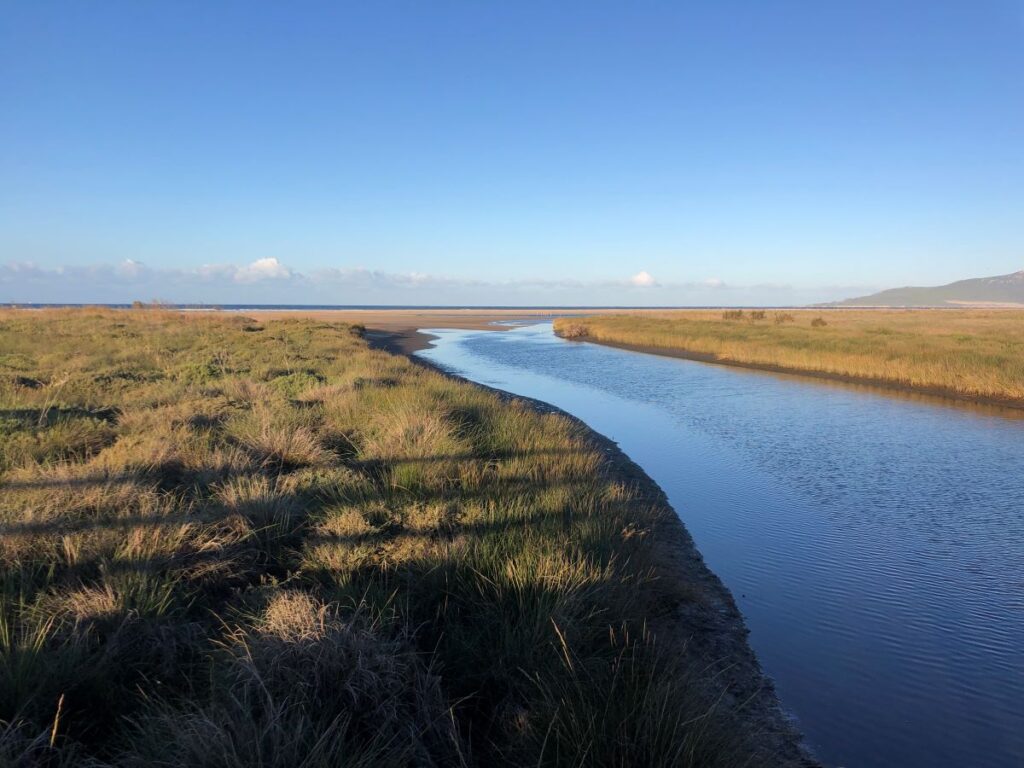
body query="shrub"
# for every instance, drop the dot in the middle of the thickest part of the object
(818, 322)
(758, 314)
(733, 314)
(199, 372)
(784, 317)
(292, 384)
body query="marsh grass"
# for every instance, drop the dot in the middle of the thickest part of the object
(233, 544)
(968, 353)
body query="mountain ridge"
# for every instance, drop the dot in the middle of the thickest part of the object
(977, 291)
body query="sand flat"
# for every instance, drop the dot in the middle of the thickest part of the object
(413, 319)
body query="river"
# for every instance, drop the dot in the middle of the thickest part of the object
(874, 542)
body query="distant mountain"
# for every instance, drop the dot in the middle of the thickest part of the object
(1003, 289)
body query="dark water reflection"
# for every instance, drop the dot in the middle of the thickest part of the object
(874, 543)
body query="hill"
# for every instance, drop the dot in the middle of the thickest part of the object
(1002, 289)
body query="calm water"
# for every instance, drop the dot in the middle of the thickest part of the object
(874, 543)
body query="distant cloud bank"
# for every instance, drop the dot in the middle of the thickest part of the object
(270, 281)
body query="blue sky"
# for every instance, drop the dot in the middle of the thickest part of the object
(512, 153)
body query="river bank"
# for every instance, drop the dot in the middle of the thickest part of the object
(402, 320)
(896, 387)
(968, 355)
(870, 540)
(712, 630)
(249, 512)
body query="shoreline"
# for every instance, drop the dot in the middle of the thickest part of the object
(400, 342)
(394, 320)
(519, 576)
(404, 326)
(885, 385)
(713, 629)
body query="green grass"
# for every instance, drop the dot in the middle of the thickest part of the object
(966, 353)
(232, 544)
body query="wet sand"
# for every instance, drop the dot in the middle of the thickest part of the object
(413, 319)
(398, 330)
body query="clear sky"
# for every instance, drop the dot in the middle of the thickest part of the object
(507, 152)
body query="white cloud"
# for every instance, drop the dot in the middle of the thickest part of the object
(25, 269)
(643, 279)
(130, 268)
(262, 269)
(268, 281)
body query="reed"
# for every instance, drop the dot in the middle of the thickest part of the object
(967, 353)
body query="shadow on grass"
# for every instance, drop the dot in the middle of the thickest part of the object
(520, 647)
(44, 417)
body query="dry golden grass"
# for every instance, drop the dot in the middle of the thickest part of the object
(224, 543)
(967, 353)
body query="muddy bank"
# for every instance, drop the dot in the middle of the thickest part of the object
(400, 320)
(399, 342)
(710, 630)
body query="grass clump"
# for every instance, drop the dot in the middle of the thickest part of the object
(234, 544)
(298, 684)
(573, 331)
(965, 353)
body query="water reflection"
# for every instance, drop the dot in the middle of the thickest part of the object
(874, 543)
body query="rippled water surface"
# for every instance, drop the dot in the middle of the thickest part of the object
(874, 543)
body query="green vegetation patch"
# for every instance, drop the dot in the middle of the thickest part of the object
(293, 384)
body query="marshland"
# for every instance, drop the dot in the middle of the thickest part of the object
(873, 538)
(362, 402)
(965, 353)
(226, 542)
